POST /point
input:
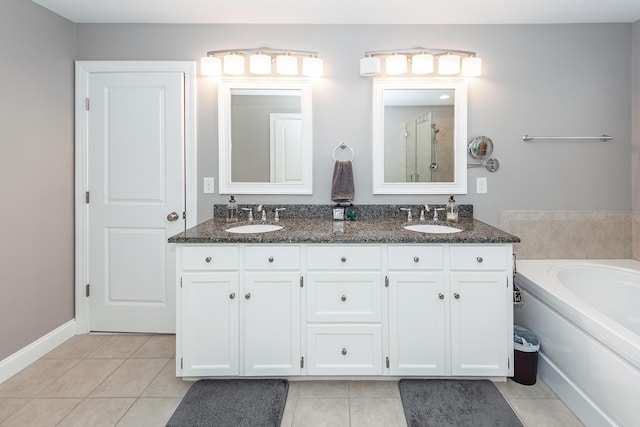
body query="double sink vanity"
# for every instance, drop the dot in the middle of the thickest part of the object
(326, 299)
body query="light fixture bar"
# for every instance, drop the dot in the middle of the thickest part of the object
(260, 61)
(263, 50)
(421, 59)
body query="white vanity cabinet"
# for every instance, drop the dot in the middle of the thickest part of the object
(345, 310)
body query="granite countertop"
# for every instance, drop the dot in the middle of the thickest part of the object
(321, 230)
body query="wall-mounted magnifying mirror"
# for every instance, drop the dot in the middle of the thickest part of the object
(265, 144)
(419, 136)
(480, 148)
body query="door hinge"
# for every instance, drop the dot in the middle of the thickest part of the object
(386, 281)
(87, 104)
(507, 279)
(87, 290)
(181, 363)
(508, 363)
(86, 197)
(181, 283)
(301, 362)
(184, 215)
(301, 282)
(387, 362)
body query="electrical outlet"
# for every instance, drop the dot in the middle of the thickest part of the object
(209, 185)
(481, 185)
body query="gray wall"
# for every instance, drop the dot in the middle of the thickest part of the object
(36, 173)
(636, 125)
(537, 79)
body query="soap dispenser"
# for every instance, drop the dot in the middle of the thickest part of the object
(452, 210)
(232, 210)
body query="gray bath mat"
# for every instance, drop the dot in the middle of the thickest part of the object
(455, 403)
(232, 403)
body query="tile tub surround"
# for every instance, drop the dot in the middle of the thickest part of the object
(570, 234)
(382, 225)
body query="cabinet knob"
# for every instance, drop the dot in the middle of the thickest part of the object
(247, 295)
(232, 296)
(456, 295)
(344, 351)
(270, 259)
(416, 259)
(479, 259)
(343, 298)
(208, 259)
(343, 259)
(441, 296)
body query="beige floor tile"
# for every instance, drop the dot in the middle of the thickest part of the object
(544, 412)
(374, 389)
(41, 413)
(511, 389)
(32, 380)
(130, 379)
(321, 412)
(289, 412)
(82, 379)
(150, 412)
(78, 347)
(158, 347)
(376, 412)
(97, 412)
(166, 384)
(319, 388)
(9, 407)
(119, 346)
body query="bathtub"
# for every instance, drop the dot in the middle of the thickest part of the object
(587, 315)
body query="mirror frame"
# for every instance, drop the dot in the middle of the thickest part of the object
(459, 185)
(224, 137)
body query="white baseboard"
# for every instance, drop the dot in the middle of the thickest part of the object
(34, 351)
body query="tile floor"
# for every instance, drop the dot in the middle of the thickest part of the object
(129, 380)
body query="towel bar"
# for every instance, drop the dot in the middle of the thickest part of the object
(603, 138)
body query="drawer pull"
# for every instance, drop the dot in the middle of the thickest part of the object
(416, 259)
(247, 296)
(343, 259)
(479, 259)
(441, 296)
(343, 298)
(208, 259)
(232, 296)
(456, 295)
(344, 351)
(270, 259)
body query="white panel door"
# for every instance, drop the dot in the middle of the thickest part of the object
(286, 148)
(136, 184)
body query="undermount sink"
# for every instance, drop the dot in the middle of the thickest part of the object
(254, 228)
(432, 228)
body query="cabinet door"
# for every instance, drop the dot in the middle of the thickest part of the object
(417, 324)
(272, 323)
(479, 323)
(210, 324)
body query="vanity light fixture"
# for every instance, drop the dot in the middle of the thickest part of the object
(233, 61)
(449, 62)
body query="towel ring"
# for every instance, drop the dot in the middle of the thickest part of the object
(343, 146)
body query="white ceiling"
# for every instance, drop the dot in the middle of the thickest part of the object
(346, 11)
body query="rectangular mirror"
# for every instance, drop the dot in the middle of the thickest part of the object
(265, 136)
(419, 136)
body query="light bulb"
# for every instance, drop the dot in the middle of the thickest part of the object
(369, 66)
(233, 64)
(396, 64)
(422, 64)
(260, 64)
(287, 65)
(449, 64)
(471, 67)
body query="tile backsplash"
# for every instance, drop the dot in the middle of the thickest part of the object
(571, 234)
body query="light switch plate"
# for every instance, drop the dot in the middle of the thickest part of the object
(481, 185)
(209, 185)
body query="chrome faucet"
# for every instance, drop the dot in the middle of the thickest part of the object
(409, 216)
(276, 217)
(435, 213)
(263, 210)
(422, 211)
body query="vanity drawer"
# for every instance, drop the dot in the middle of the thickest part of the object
(344, 297)
(344, 350)
(416, 257)
(210, 258)
(343, 257)
(470, 257)
(272, 257)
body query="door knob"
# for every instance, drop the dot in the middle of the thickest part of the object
(173, 216)
(441, 296)
(456, 295)
(247, 296)
(232, 295)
